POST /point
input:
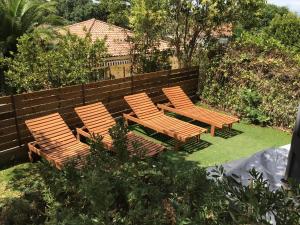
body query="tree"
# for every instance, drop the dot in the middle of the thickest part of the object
(268, 12)
(191, 24)
(20, 16)
(148, 20)
(286, 28)
(249, 13)
(53, 60)
(80, 10)
(117, 11)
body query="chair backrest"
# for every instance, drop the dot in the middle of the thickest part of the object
(51, 132)
(178, 98)
(142, 106)
(95, 118)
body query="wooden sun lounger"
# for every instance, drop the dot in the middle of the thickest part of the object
(54, 141)
(182, 105)
(146, 114)
(97, 121)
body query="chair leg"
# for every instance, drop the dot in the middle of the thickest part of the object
(212, 130)
(230, 126)
(126, 122)
(178, 145)
(30, 156)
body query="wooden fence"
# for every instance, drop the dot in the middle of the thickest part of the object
(15, 109)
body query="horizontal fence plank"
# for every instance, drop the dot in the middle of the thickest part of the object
(5, 100)
(15, 110)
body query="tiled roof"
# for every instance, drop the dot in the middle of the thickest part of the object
(224, 30)
(116, 37)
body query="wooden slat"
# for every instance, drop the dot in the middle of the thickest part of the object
(5, 100)
(46, 93)
(90, 114)
(8, 145)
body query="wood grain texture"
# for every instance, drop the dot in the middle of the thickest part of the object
(182, 105)
(97, 120)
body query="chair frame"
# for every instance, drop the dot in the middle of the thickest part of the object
(213, 125)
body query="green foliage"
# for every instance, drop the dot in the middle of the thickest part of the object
(286, 29)
(191, 24)
(262, 65)
(147, 19)
(249, 13)
(262, 42)
(49, 61)
(268, 12)
(118, 11)
(256, 204)
(30, 209)
(80, 10)
(249, 108)
(20, 16)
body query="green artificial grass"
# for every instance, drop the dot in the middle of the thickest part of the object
(242, 141)
(21, 173)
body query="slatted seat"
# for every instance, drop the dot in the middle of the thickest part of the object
(97, 122)
(54, 140)
(149, 116)
(182, 105)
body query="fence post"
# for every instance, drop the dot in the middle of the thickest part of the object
(131, 82)
(168, 76)
(16, 119)
(83, 93)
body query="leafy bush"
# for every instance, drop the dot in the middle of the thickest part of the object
(255, 63)
(51, 60)
(251, 102)
(256, 204)
(30, 209)
(286, 29)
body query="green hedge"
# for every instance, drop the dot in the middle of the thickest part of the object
(257, 78)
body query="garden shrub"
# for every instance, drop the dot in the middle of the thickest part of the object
(28, 209)
(50, 60)
(261, 65)
(249, 108)
(286, 29)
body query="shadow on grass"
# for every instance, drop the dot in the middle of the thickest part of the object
(29, 207)
(223, 133)
(189, 147)
(227, 133)
(26, 179)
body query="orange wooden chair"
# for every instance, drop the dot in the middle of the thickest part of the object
(182, 105)
(97, 121)
(54, 140)
(146, 114)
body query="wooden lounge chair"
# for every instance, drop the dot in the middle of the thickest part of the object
(182, 105)
(97, 121)
(147, 115)
(54, 140)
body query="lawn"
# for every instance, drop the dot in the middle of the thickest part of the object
(242, 141)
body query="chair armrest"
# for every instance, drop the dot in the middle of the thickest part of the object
(80, 131)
